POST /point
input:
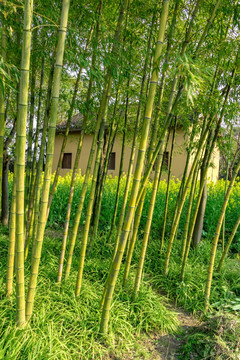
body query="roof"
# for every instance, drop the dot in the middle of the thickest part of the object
(75, 125)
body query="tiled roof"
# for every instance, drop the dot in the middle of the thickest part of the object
(76, 124)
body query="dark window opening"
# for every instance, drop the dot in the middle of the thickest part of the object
(67, 161)
(111, 164)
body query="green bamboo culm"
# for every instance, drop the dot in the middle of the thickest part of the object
(30, 216)
(134, 144)
(189, 211)
(2, 105)
(11, 242)
(147, 226)
(226, 248)
(133, 147)
(73, 238)
(101, 115)
(168, 186)
(138, 172)
(64, 143)
(30, 123)
(20, 161)
(183, 197)
(177, 97)
(32, 233)
(215, 240)
(79, 148)
(49, 159)
(89, 208)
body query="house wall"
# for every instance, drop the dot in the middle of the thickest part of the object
(213, 170)
(71, 147)
(179, 155)
(178, 163)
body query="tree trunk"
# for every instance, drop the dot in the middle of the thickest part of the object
(197, 233)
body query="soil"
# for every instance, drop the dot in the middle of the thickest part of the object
(166, 346)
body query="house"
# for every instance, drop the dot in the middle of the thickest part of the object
(178, 162)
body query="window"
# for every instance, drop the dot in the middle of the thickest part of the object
(165, 161)
(112, 158)
(67, 161)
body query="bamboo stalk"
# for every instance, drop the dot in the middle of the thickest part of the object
(37, 184)
(11, 242)
(183, 197)
(2, 105)
(101, 114)
(168, 185)
(140, 162)
(30, 125)
(64, 143)
(49, 159)
(226, 249)
(215, 240)
(147, 227)
(20, 161)
(30, 217)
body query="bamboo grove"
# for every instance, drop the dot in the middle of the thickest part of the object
(139, 69)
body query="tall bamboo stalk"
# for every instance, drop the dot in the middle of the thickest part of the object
(206, 161)
(20, 161)
(189, 211)
(90, 207)
(31, 233)
(113, 222)
(152, 145)
(215, 240)
(231, 237)
(49, 159)
(70, 112)
(97, 215)
(30, 123)
(98, 155)
(225, 189)
(78, 153)
(177, 97)
(134, 143)
(2, 106)
(11, 242)
(30, 217)
(101, 113)
(85, 184)
(147, 226)
(138, 172)
(183, 197)
(168, 185)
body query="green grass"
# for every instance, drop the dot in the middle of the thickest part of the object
(190, 292)
(218, 339)
(65, 327)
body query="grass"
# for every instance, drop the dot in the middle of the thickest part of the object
(218, 338)
(65, 327)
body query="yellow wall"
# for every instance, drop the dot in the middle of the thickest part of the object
(179, 154)
(178, 163)
(71, 147)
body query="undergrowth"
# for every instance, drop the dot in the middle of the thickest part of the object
(66, 327)
(218, 339)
